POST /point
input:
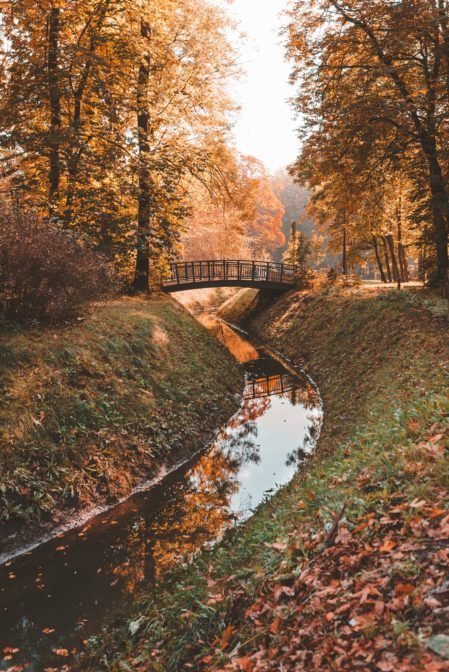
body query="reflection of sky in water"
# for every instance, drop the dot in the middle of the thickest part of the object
(280, 431)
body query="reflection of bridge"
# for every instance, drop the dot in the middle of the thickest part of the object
(227, 273)
(269, 386)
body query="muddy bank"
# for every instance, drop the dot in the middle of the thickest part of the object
(93, 411)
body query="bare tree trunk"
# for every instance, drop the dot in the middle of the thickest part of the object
(345, 249)
(421, 263)
(394, 263)
(387, 260)
(383, 277)
(404, 263)
(403, 270)
(142, 271)
(54, 27)
(440, 208)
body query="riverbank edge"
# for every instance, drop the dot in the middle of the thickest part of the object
(127, 340)
(376, 489)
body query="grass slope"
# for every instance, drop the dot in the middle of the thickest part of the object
(91, 410)
(347, 567)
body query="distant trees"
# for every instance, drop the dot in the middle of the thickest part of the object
(373, 82)
(108, 110)
(242, 218)
(298, 250)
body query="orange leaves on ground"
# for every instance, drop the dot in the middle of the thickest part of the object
(226, 636)
(61, 652)
(244, 664)
(387, 546)
(339, 612)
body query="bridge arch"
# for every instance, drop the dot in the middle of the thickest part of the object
(185, 275)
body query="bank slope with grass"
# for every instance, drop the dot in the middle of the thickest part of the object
(347, 567)
(90, 411)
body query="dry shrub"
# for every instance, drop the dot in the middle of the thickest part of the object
(45, 273)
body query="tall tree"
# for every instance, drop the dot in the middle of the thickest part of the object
(376, 78)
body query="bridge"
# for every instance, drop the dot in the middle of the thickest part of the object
(269, 386)
(185, 275)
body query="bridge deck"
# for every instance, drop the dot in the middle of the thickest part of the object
(228, 273)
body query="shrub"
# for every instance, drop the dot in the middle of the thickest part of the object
(45, 273)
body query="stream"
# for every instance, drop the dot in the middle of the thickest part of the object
(56, 596)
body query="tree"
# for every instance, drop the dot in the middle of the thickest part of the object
(375, 79)
(109, 110)
(298, 250)
(242, 218)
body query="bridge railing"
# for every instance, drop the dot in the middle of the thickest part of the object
(214, 271)
(269, 386)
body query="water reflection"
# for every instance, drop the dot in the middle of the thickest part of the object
(56, 596)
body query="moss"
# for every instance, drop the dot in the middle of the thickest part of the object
(382, 363)
(115, 394)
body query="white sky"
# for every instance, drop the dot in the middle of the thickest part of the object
(266, 126)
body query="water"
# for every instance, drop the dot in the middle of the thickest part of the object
(59, 594)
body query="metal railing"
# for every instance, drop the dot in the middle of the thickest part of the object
(269, 386)
(226, 271)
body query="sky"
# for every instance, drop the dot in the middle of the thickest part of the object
(266, 126)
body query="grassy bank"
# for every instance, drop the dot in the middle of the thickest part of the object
(91, 410)
(347, 567)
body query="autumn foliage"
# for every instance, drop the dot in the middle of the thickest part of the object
(373, 86)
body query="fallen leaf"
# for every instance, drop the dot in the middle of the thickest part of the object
(405, 588)
(387, 546)
(226, 636)
(61, 652)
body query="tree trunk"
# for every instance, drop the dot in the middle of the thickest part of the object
(345, 250)
(421, 263)
(142, 272)
(394, 263)
(403, 270)
(403, 263)
(440, 208)
(383, 277)
(387, 260)
(54, 27)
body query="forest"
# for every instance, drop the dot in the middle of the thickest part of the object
(224, 354)
(116, 129)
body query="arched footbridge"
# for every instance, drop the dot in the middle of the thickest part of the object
(185, 275)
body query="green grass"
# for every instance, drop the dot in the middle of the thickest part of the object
(89, 411)
(382, 364)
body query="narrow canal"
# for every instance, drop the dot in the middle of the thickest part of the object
(55, 597)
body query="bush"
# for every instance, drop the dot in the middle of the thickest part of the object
(45, 273)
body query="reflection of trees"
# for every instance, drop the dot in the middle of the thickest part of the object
(304, 395)
(299, 456)
(199, 512)
(196, 510)
(241, 348)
